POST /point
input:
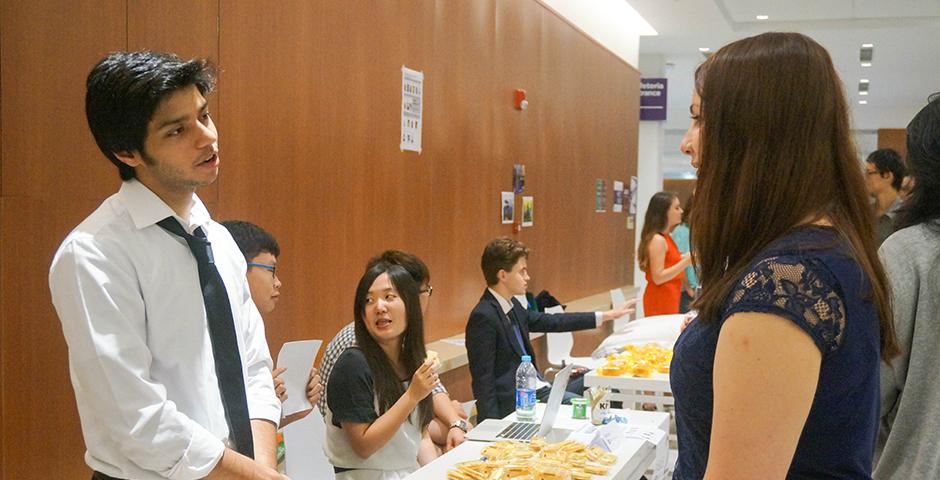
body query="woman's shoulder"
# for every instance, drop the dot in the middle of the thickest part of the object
(917, 239)
(354, 359)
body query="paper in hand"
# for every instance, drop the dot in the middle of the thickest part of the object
(298, 358)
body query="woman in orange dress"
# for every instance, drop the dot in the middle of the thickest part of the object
(659, 256)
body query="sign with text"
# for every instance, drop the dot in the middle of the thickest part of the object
(653, 99)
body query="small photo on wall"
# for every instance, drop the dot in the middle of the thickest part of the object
(507, 207)
(527, 206)
(518, 178)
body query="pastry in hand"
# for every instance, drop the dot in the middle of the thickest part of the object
(433, 360)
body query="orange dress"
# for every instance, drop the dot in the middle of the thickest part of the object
(664, 299)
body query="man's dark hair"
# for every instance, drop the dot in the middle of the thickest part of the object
(251, 239)
(501, 254)
(887, 160)
(411, 263)
(125, 88)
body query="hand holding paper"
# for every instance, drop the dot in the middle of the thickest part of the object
(297, 360)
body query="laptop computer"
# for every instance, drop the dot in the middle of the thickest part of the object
(492, 430)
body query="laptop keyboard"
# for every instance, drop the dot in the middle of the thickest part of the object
(519, 431)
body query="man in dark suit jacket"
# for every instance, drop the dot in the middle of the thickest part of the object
(497, 332)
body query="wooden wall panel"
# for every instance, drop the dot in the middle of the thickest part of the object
(315, 158)
(895, 138)
(679, 186)
(48, 49)
(308, 110)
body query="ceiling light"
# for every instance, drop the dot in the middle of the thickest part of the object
(863, 92)
(866, 64)
(868, 45)
(704, 49)
(763, 17)
(864, 80)
(863, 102)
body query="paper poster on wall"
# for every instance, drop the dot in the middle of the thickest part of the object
(528, 203)
(600, 195)
(618, 196)
(412, 90)
(518, 178)
(507, 207)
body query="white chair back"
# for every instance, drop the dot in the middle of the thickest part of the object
(559, 347)
(303, 441)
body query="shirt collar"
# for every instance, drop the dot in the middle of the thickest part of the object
(506, 305)
(146, 208)
(895, 206)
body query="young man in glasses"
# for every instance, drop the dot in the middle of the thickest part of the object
(884, 175)
(449, 425)
(167, 355)
(261, 250)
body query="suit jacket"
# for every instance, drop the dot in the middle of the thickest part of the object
(494, 353)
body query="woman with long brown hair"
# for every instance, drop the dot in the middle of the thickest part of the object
(378, 398)
(778, 375)
(659, 256)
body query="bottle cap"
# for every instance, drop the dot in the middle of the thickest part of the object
(526, 358)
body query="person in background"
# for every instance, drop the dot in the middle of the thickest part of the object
(680, 235)
(909, 443)
(261, 251)
(450, 422)
(497, 333)
(659, 256)
(379, 396)
(168, 359)
(884, 177)
(778, 375)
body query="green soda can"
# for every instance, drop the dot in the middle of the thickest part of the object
(579, 408)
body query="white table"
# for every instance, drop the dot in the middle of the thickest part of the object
(633, 457)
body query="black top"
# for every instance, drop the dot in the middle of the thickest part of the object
(351, 395)
(809, 278)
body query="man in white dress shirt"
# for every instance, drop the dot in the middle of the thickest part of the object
(128, 292)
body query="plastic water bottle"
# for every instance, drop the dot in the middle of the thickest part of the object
(526, 379)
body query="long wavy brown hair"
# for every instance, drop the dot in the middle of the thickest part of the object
(655, 222)
(776, 153)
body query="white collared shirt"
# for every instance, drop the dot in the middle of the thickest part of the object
(506, 305)
(127, 294)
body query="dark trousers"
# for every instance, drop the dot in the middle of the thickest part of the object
(101, 476)
(575, 389)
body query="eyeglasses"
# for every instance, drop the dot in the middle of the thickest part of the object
(429, 290)
(270, 268)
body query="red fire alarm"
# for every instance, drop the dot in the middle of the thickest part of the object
(521, 102)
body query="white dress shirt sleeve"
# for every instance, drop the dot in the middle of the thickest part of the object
(98, 300)
(263, 403)
(599, 318)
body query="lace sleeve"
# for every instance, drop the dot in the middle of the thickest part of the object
(800, 289)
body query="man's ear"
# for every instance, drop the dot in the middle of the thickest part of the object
(501, 275)
(131, 159)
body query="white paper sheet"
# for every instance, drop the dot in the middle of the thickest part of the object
(297, 357)
(616, 300)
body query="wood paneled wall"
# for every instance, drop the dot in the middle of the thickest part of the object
(895, 138)
(308, 112)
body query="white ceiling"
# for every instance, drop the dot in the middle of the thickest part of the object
(905, 33)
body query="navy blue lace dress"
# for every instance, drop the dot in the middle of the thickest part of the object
(809, 278)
